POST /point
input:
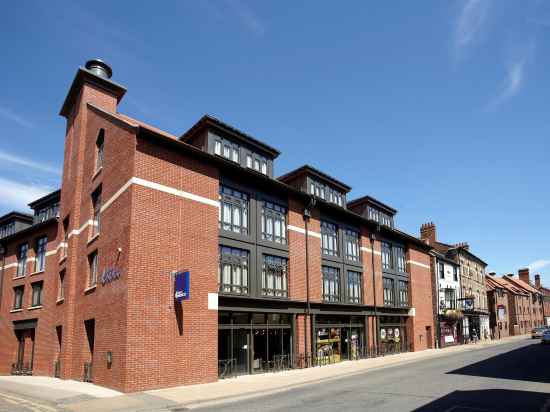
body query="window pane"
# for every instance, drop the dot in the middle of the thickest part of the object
(264, 167)
(218, 147)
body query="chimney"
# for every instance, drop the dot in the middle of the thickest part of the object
(427, 233)
(524, 275)
(463, 245)
(537, 281)
(92, 84)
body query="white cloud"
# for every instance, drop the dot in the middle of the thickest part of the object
(515, 76)
(17, 195)
(14, 117)
(469, 24)
(538, 264)
(21, 161)
(250, 20)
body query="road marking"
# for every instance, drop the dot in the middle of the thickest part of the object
(34, 406)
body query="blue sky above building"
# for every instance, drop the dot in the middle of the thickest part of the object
(438, 109)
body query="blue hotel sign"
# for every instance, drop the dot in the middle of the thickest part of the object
(181, 286)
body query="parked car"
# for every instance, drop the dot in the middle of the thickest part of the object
(537, 333)
(545, 337)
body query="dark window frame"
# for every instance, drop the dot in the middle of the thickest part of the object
(37, 297)
(388, 285)
(18, 297)
(330, 237)
(22, 259)
(96, 212)
(274, 267)
(403, 293)
(354, 286)
(41, 250)
(238, 200)
(237, 260)
(100, 149)
(278, 215)
(93, 265)
(331, 276)
(352, 245)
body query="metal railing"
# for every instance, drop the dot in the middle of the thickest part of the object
(88, 376)
(21, 368)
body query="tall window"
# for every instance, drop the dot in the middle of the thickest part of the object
(93, 260)
(22, 259)
(352, 245)
(274, 276)
(65, 247)
(234, 210)
(273, 222)
(354, 286)
(400, 259)
(329, 239)
(389, 298)
(96, 205)
(455, 273)
(100, 145)
(331, 284)
(230, 151)
(233, 271)
(386, 256)
(37, 294)
(441, 270)
(403, 293)
(40, 262)
(18, 297)
(61, 289)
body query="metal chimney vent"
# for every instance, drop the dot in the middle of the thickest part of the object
(99, 68)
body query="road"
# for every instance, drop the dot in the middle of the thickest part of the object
(514, 376)
(510, 377)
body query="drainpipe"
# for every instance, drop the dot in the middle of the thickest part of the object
(307, 216)
(3, 254)
(375, 335)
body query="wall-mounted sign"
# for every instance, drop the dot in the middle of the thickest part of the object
(468, 304)
(181, 286)
(501, 312)
(109, 275)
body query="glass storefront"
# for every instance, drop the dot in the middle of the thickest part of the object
(253, 342)
(339, 338)
(392, 334)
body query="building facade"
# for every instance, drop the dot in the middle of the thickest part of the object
(446, 294)
(498, 305)
(532, 302)
(281, 272)
(545, 292)
(473, 295)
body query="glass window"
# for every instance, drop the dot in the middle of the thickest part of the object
(352, 245)
(248, 161)
(455, 273)
(273, 222)
(100, 145)
(373, 214)
(61, 290)
(65, 245)
(36, 294)
(233, 210)
(233, 270)
(274, 276)
(441, 270)
(22, 259)
(18, 297)
(227, 151)
(256, 165)
(386, 256)
(331, 284)
(329, 239)
(218, 147)
(94, 263)
(235, 154)
(40, 261)
(354, 287)
(96, 204)
(400, 259)
(7, 230)
(389, 299)
(264, 167)
(403, 293)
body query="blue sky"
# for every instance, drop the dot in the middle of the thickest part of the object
(439, 109)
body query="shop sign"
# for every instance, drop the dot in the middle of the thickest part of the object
(449, 339)
(501, 312)
(181, 288)
(468, 304)
(109, 275)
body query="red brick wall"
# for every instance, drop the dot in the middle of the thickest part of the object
(420, 288)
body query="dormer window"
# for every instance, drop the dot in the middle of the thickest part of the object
(379, 216)
(227, 149)
(326, 193)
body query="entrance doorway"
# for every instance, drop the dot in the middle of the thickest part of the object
(25, 352)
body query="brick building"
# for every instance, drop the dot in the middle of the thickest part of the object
(498, 301)
(532, 307)
(282, 272)
(545, 300)
(473, 295)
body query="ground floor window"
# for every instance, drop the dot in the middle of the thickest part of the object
(393, 337)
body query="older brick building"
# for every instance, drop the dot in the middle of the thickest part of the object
(498, 302)
(532, 305)
(282, 272)
(545, 299)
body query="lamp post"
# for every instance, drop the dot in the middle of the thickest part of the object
(375, 335)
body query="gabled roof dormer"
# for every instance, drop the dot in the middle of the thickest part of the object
(313, 181)
(373, 209)
(218, 138)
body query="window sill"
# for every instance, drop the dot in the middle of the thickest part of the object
(40, 272)
(16, 310)
(34, 307)
(59, 301)
(92, 239)
(90, 289)
(62, 259)
(19, 277)
(97, 172)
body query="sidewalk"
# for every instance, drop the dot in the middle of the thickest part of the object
(242, 387)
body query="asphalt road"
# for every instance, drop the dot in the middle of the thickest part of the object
(510, 377)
